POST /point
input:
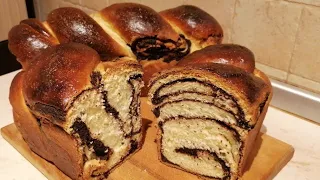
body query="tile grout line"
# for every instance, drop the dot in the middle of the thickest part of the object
(301, 3)
(232, 23)
(295, 43)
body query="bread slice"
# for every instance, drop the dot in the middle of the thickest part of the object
(79, 113)
(208, 117)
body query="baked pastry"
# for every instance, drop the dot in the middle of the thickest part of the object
(232, 54)
(78, 112)
(53, 97)
(195, 24)
(209, 113)
(157, 41)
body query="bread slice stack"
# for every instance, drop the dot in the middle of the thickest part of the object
(209, 113)
(78, 112)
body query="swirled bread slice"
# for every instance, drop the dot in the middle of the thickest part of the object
(208, 117)
(78, 112)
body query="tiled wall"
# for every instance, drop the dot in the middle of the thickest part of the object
(283, 34)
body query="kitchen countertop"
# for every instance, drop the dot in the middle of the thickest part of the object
(303, 135)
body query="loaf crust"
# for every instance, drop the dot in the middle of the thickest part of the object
(28, 38)
(134, 21)
(232, 54)
(120, 30)
(45, 139)
(61, 104)
(198, 26)
(57, 76)
(73, 25)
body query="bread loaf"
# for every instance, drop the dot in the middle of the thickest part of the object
(156, 40)
(78, 112)
(209, 111)
(76, 100)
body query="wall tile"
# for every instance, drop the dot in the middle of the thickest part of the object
(268, 28)
(94, 4)
(222, 10)
(163, 4)
(304, 83)
(311, 2)
(68, 4)
(272, 72)
(48, 5)
(306, 56)
(88, 10)
(74, 1)
(122, 1)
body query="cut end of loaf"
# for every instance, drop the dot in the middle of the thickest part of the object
(105, 119)
(204, 124)
(201, 146)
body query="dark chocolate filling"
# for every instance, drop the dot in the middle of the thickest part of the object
(223, 124)
(157, 99)
(134, 146)
(96, 79)
(240, 122)
(108, 108)
(153, 48)
(80, 128)
(194, 153)
(134, 106)
(45, 109)
(216, 37)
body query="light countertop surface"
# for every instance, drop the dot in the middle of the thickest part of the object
(303, 135)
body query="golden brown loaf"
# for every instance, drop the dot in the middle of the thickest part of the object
(121, 30)
(209, 112)
(78, 112)
(76, 101)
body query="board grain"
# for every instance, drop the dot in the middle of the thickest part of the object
(267, 158)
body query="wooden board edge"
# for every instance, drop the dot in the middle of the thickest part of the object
(283, 162)
(32, 157)
(42, 165)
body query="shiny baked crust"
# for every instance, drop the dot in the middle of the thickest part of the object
(232, 54)
(73, 25)
(197, 25)
(56, 77)
(135, 21)
(120, 30)
(45, 139)
(28, 38)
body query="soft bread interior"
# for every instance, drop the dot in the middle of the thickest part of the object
(199, 125)
(200, 146)
(189, 108)
(104, 118)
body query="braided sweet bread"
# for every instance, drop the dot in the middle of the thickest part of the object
(156, 40)
(76, 101)
(210, 109)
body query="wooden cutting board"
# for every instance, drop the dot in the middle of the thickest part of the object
(268, 157)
